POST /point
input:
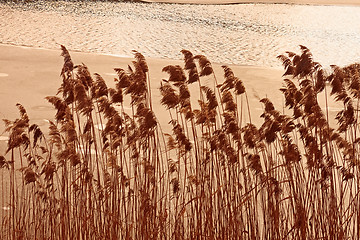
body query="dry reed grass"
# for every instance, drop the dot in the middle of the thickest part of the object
(104, 173)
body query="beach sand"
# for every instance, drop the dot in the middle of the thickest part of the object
(28, 75)
(312, 2)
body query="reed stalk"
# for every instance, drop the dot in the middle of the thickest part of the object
(103, 172)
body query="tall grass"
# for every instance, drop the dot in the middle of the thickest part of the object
(104, 172)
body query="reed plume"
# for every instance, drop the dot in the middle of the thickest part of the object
(105, 171)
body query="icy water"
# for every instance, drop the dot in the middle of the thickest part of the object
(251, 34)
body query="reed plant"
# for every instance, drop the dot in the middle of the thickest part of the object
(102, 171)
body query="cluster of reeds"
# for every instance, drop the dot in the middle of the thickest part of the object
(103, 171)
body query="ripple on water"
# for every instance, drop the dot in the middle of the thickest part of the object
(241, 34)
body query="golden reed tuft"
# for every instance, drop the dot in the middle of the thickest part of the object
(104, 172)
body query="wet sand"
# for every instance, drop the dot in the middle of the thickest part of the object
(312, 2)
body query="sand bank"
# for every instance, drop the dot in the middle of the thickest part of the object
(312, 2)
(28, 75)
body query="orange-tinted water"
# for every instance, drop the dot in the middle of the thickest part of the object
(252, 34)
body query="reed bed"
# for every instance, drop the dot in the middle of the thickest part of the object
(103, 172)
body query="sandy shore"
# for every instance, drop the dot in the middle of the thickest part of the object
(28, 75)
(312, 2)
